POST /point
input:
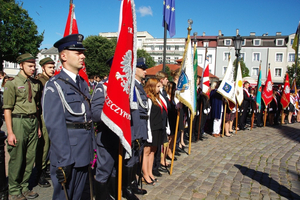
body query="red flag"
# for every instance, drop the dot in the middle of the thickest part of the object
(116, 109)
(205, 79)
(267, 94)
(72, 28)
(285, 98)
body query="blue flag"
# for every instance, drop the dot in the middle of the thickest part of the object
(258, 94)
(169, 16)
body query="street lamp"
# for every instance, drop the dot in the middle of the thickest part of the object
(237, 45)
(195, 37)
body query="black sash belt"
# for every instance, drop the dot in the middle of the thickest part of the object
(86, 125)
(144, 117)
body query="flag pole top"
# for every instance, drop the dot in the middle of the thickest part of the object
(190, 23)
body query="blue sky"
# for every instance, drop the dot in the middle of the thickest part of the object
(210, 16)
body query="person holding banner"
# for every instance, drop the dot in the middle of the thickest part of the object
(216, 109)
(273, 108)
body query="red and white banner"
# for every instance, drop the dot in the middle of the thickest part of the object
(72, 28)
(285, 97)
(116, 109)
(267, 94)
(205, 85)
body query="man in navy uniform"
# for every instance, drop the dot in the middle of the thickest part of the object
(67, 116)
(108, 144)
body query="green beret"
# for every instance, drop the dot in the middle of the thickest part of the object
(25, 57)
(46, 60)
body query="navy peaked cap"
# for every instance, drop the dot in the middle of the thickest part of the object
(70, 42)
(141, 63)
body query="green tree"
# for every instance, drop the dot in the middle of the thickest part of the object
(18, 32)
(245, 70)
(98, 50)
(291, 71)
(149, 60)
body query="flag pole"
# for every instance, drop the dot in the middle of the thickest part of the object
(252, 119)
(120, 171)
(191, 128)
(175, 138)
(236, 117)
(165, 46)
(265, 115)
(72, 12)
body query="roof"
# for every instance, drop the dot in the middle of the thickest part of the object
(153, 70)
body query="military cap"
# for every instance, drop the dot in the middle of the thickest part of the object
(141, 63)
(25, 57)
(70, 42)
(46, 60)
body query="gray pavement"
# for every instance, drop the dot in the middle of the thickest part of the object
(259, 164)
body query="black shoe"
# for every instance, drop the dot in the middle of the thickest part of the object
(180, 150)
(162, 169)
(42, 180)
(156, 173)
(168, 158)
(127, 193)
(136, 190)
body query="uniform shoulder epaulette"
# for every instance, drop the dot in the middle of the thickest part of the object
(53, 78)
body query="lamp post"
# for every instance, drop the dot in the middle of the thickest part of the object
(237, 46)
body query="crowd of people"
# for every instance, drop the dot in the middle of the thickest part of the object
(50, 122)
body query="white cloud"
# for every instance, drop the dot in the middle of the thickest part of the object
(144, 10)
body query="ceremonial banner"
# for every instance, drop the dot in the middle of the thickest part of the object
(258, 92)
(294, 87)
(185, 88)
(285, 97)
(205, 78)
(116, 109)
(296, 39)
(195, 74)
(226, 88)
(72, 28)
(267, 94)
(239, 86)
(169, 16)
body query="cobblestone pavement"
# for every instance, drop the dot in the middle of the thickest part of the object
(259, 164)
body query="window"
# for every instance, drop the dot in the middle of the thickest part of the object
(160, 47)
(292, 41)
(255, 71)
(54, 57)
(277, 72)
(291, 57)
(168, 59)
(168, 47)
(242, 56)
(15, 65)
(226, 56)
(176, 47)
(256, 42)
(45, 56)
(152, 47)
(224, 70)
(279, 57)
(227, 42)
(176, 58)
(209, 59)
(279, 42)
(205, 44)
(243, 42)
(200, 58)
(160, 60)
(256, 56)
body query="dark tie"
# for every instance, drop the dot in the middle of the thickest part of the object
(29, 91)
(78, 81)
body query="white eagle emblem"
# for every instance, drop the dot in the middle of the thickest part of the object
(126, 66)
(287, 89)
(269, 86)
